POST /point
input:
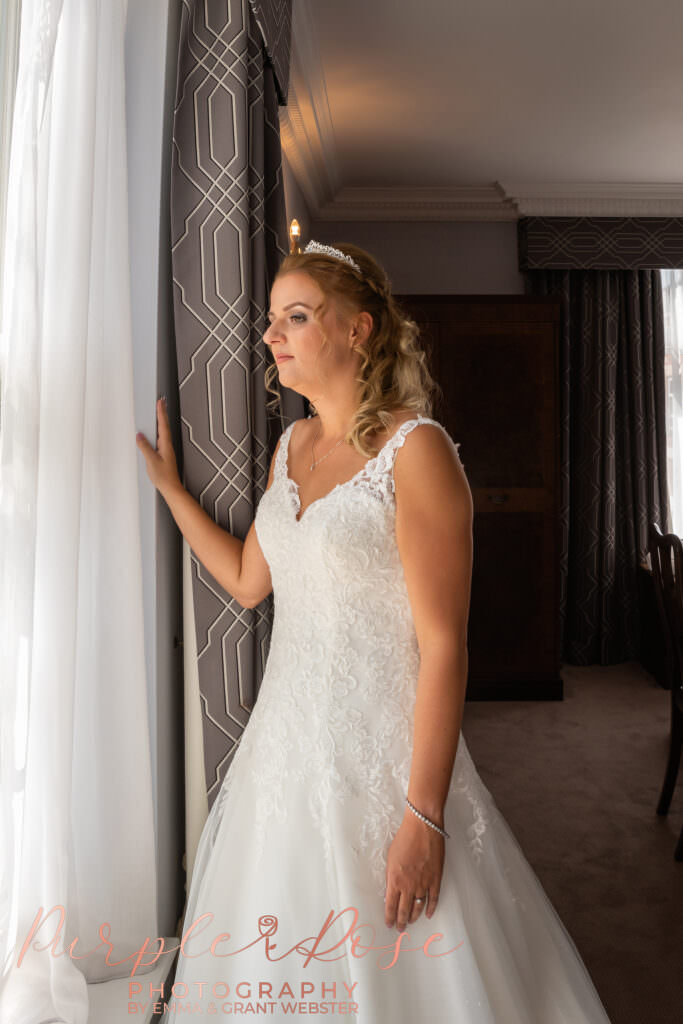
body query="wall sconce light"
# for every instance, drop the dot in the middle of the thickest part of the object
(294, 236)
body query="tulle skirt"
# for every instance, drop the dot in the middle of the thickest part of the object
(287, 935)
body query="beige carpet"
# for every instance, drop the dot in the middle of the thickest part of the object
(578, 781)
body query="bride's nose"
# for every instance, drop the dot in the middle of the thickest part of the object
(272, 333)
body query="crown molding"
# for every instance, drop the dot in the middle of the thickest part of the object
(460, 202)
(597, 199)
(500, 202)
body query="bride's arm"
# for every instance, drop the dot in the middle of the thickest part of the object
(434, 513)
(239, 566)
(434, 537)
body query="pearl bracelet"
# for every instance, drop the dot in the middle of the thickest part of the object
(427, 820)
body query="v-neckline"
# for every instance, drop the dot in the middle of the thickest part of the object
(293, 486)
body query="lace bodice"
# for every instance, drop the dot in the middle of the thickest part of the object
(335, 710)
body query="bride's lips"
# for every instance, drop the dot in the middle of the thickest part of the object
(281, 359)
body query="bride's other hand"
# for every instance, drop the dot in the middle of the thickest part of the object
(160, 462)
(414, 868)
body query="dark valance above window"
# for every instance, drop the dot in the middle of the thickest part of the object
(600, 243)
(274, 19)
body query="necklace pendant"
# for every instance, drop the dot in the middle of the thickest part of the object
(314, 464)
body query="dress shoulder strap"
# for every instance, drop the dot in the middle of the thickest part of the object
(398, 437)
(281, 458)
(387, 455)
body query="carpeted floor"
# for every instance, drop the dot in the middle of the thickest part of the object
(578, 781)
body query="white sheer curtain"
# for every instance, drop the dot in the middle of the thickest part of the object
(76, 786)
(672, 293)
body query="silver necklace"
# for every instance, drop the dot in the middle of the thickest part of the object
(315, 462)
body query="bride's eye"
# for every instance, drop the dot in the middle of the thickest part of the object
(295, 317)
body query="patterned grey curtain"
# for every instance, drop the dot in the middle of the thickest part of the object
(613, 437)
(229, 234)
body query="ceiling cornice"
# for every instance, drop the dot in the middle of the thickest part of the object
(597, 199)
(463, 202)
(308, 142)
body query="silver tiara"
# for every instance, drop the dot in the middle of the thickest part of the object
(329, 250)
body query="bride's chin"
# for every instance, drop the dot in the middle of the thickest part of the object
(285, 370)
(290, 380)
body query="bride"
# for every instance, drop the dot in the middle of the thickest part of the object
(353, 860)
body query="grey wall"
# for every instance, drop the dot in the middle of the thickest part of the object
(441, 258)
(423, 257)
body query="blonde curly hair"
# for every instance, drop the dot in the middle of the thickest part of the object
(393, 372)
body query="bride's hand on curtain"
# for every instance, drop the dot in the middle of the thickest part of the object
(414, 868)
(160, 462)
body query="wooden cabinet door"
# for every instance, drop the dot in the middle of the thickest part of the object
(496, 359)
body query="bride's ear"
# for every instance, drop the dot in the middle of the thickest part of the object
(361, 328)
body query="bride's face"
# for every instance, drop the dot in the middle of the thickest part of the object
(296, 339)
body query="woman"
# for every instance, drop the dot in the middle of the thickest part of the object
(352, 813)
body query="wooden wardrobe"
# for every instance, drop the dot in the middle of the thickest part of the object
(496, 359)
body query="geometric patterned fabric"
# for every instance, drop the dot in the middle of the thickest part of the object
(229, 235)
(584, 243)
(613, 452)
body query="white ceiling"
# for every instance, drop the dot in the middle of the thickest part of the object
(486, 109)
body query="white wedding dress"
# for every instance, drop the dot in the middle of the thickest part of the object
(316, 792)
